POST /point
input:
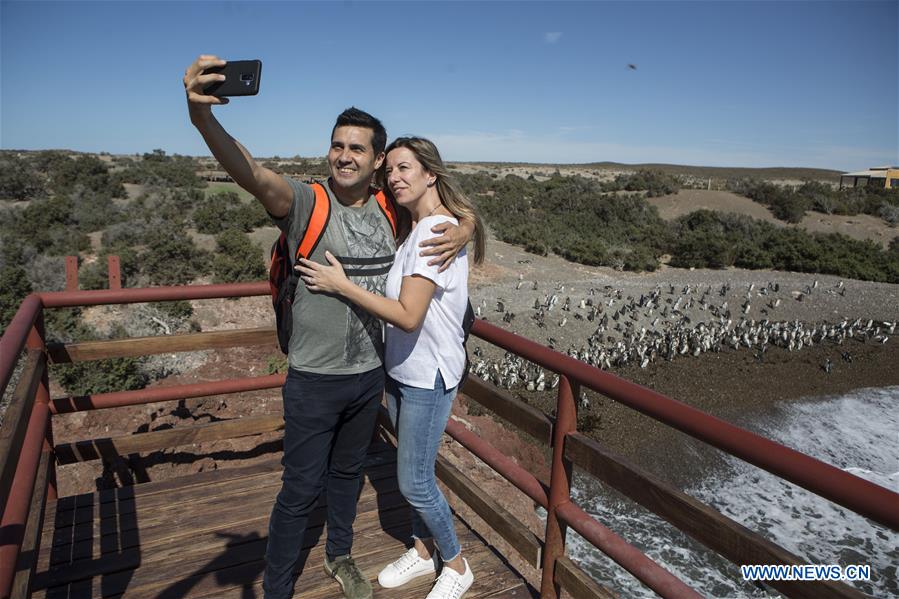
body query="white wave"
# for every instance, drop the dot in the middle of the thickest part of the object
(858, 432)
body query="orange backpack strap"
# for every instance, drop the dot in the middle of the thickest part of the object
(318, 220)
(388, 208)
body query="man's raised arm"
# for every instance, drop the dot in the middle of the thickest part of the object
(266, 185)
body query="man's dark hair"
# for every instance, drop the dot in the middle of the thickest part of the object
(353, 117)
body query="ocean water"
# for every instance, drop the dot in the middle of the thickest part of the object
(858, 432)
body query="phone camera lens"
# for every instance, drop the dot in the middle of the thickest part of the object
(246, 77)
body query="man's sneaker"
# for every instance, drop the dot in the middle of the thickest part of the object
(352, 582)
(450, 584)
(407, 567)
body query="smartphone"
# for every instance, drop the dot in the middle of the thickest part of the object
(241, 79)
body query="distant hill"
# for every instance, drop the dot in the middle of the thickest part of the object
(715, 172)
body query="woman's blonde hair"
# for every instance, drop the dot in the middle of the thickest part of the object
(447, 189)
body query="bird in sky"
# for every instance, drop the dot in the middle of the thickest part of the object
(632, 67)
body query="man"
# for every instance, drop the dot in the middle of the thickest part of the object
(335, 381)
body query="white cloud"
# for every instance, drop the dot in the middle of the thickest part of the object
(551, 37)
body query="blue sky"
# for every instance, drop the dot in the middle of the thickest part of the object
(717, 83)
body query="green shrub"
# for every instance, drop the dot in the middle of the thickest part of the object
(706, 239)
(101, 376)
(276, 364)
(790, 204)
(180, 309)
(93, 211)
(83, 378)
(14, 283)
(224, 210)
(172, 258)
(654, 183)
(573, 217)
(124, 234)
(237, 259)
(82, 172)
(18, 179)
(157, 169)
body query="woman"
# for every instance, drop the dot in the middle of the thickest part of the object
(424, 356)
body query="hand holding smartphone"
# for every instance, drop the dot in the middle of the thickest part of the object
(241, 79)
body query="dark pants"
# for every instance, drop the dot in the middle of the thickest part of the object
(328, 425)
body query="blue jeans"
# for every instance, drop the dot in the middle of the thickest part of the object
(329, 421)
(419, 417)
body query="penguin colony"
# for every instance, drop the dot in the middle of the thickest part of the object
(659, 325)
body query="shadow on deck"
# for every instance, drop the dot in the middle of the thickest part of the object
(204, 536)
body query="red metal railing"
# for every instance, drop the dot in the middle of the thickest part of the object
(852, 492)
(857, 494)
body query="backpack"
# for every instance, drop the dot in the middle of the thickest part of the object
(283, 278)
(467, 322)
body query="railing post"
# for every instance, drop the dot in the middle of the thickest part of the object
(114, 272)
(36, 340)
(559, 486)
(71, 273)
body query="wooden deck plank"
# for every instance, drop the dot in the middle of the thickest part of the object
(176, 498)
(378, 453)
(96, 522)
(200, 560)
(167, 523)
(492, 578)
(206, 538)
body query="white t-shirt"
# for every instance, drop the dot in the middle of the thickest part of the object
(413, 358)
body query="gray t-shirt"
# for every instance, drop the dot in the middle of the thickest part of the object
(330, 334)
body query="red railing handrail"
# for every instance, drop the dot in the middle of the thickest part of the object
(117, 399)
(68, 299)
(14, 337)
(15, 512)
(857, 494)
(619, 550)
(624, 554)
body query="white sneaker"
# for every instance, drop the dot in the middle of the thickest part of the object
(410, 565)
(450, 584)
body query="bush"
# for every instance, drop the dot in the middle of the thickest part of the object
(791, 204)
(573, 217)
(180, 309)
(101, 376)
(706, 239)
(18, 179)
(14, 283)
(47, 273)
(224, 210)
(157, 169)
(889, 213)
(790, 207)
(49, 225)
(172, 258)
(170, 208)
(93, 211)
(85, 378)
(654, 183)
(93, 275)
(124, 234)
(84, 172)
(237, 259)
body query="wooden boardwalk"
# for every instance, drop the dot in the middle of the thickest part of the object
(204, 536)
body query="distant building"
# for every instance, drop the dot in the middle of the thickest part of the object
(876, 176)
(218, 176)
